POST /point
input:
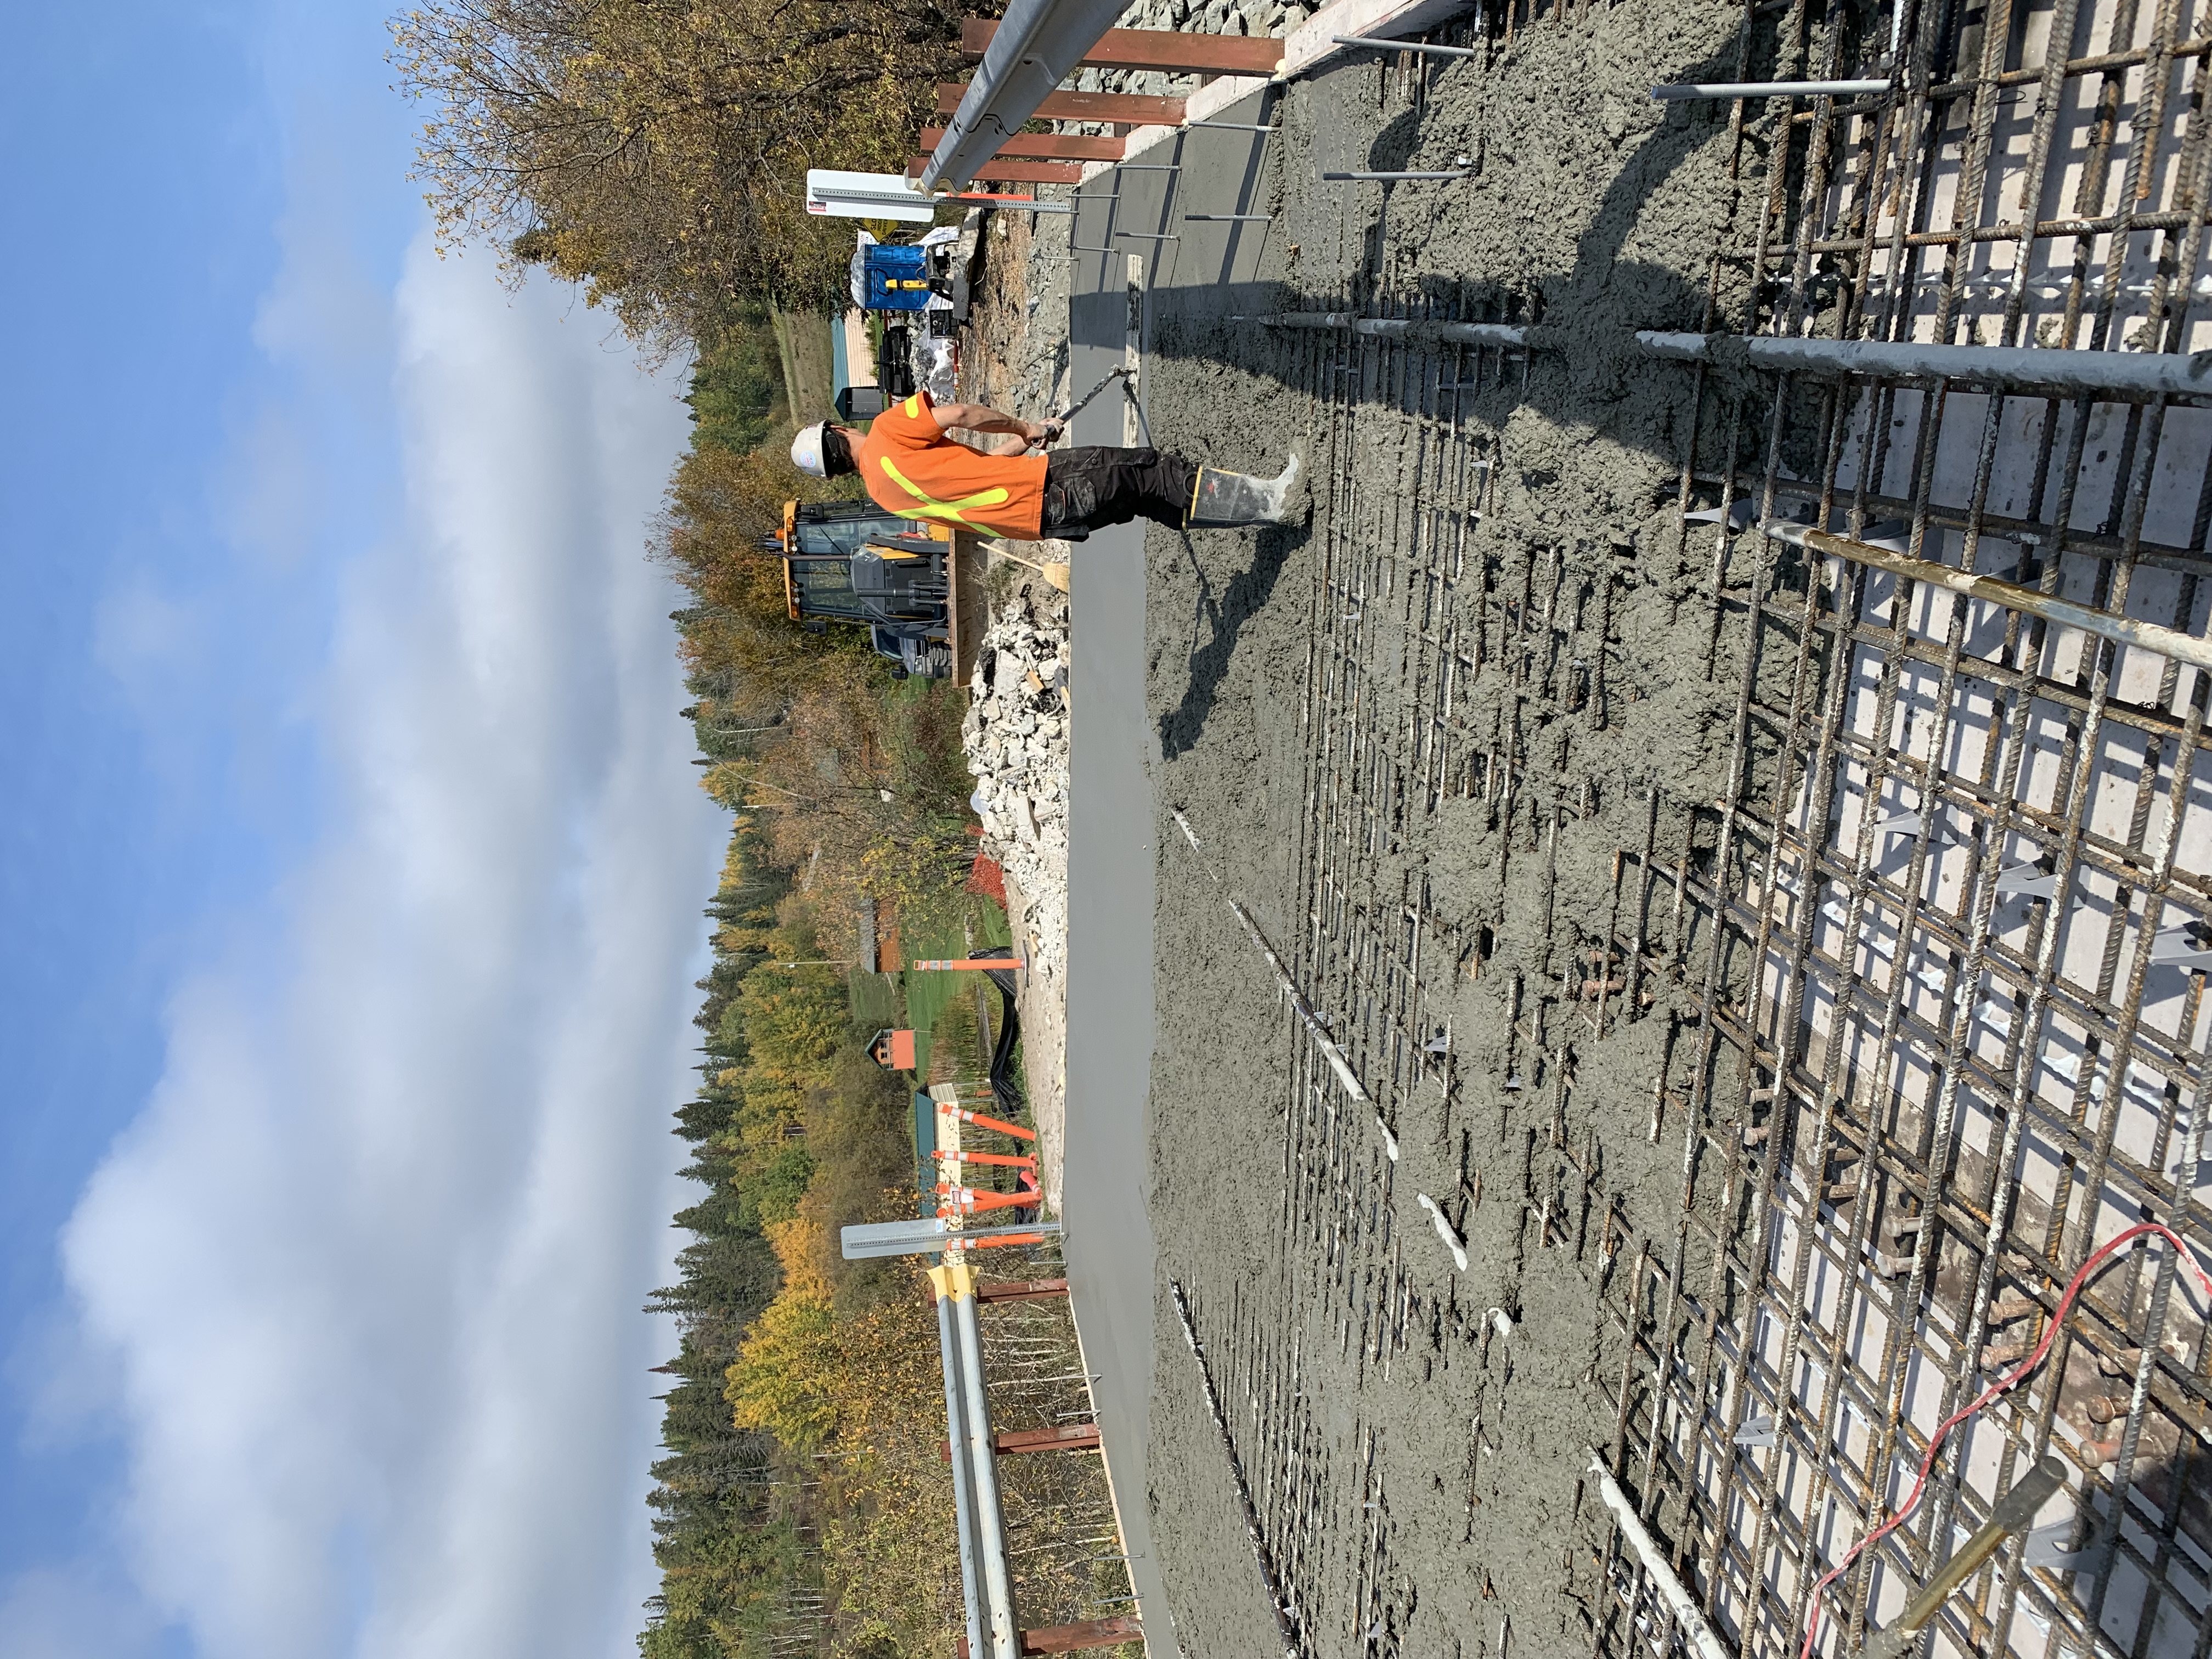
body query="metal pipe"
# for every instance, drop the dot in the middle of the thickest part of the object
(2144, 373)
(2148, 636)
(1406, 45)
(1147, 236)
(990, 1525)
(1231, 218)
(1323, 1040)
(1084, 402)
(956, 1435)
(1233, 126)
(1697, 90)
(1678, 1599)
(1391, 177)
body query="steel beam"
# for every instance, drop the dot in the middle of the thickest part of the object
(964, 1506)
(1025, 56)
(990, 1522)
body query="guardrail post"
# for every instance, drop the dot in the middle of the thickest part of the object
(955, 1429)
(990, 1525)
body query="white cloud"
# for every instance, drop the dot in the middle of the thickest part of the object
(147, 637)
(369, 1265)
(49, 1612)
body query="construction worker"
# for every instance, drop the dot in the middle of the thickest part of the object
(913, 468)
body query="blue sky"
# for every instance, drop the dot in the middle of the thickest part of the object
(352, 876)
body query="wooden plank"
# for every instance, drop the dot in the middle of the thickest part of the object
(1044, 146)
(1036, 1290)
(1090, 1633)
(1068, 1436)
(1128, 108)
(1015, 172)
(1167, 50)
(1074, 1638)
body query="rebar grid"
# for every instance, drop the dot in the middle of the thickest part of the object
(1934, 891)
(1940, 926)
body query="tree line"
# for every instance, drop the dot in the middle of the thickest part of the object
(800, 1505)
(655, 151)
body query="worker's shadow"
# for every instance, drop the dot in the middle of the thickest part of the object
(1584, 376)
(1217, 621)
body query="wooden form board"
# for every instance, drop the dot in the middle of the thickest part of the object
(1122, 108)
(1014, 173)
(1044, 146)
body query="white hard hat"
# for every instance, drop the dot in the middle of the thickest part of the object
(806, 450)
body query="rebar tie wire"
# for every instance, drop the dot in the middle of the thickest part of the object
(2098, 1259)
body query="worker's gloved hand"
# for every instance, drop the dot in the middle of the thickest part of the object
(1045, 431)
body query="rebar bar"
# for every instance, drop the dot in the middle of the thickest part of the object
(1422, 47)
(2137, 373)
(1719, 89)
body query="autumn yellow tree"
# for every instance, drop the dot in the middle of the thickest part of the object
(656, 150)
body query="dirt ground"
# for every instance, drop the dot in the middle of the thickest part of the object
(1007, 358)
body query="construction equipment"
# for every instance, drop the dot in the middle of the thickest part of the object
(852, 561)
(899, 276)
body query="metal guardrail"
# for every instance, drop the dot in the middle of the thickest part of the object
(1037, 43)
(986, 1582)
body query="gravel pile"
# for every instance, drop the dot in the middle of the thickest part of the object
(1218, 16)
(1254, 17)
(1016, 737)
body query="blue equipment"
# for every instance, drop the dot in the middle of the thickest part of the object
(891, 276)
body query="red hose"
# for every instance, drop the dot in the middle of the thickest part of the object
(2098, 1258)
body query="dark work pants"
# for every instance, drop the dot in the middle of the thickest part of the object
(1091, 486)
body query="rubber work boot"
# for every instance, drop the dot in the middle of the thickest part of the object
(1226, 499)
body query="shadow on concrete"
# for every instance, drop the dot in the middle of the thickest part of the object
(1248, 594)
(1584, 370)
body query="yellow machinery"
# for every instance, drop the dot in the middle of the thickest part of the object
(852, 561)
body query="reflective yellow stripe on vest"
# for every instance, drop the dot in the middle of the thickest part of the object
(930, 508)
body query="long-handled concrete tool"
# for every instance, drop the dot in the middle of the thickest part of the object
(1104, 380)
